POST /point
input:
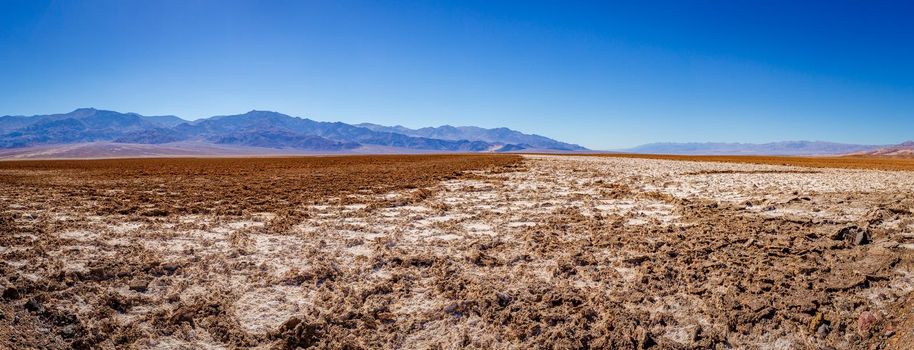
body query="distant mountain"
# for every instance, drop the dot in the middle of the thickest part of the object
(216, 128)
(282, 139)
(902, 150)
(81, 125)
(10, 123)
(473, 133)
(255, 129)
(121, 150)
(795, 148)
(165, 120)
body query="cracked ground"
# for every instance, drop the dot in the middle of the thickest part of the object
(435, 252)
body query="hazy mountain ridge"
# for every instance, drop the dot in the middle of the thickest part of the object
(263, 129)
(904, 149)
(81, 125)
(165, 120)
(474, 133)
(266, 121)
(795, 148)
(282, 139)
(10, 123)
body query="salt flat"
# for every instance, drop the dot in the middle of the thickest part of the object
(561, 251)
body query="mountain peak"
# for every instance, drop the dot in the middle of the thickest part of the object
(249, 116)
(82, 112)
(262, 112)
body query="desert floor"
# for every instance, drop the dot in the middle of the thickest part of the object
(464, 251)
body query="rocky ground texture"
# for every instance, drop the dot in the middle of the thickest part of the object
(564, 252)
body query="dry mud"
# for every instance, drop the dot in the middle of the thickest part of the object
(557, 252)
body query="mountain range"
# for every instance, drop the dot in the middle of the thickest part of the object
(263, 130)
(497, 135)
(785, 148)
(904, 149)
(89, 132)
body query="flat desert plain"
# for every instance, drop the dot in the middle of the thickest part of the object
(457, 251)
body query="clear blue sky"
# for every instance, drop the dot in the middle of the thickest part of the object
(602, 75)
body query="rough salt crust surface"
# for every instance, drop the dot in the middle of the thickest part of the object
(563, 252)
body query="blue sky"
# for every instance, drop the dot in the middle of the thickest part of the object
(602, 74)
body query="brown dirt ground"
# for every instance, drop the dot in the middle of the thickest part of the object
(468, 251)
(41, 199)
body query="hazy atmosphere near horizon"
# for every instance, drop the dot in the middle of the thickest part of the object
(605, 75)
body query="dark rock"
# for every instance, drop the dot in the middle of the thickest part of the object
(139, 285)
(503, 299)
(844, 232)
(68, 331)
(635, 260)
(34, 305)
(10, 293)
(823, 330)
(116, 304)
(455, 309)
(170, 267)
(99, 273)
